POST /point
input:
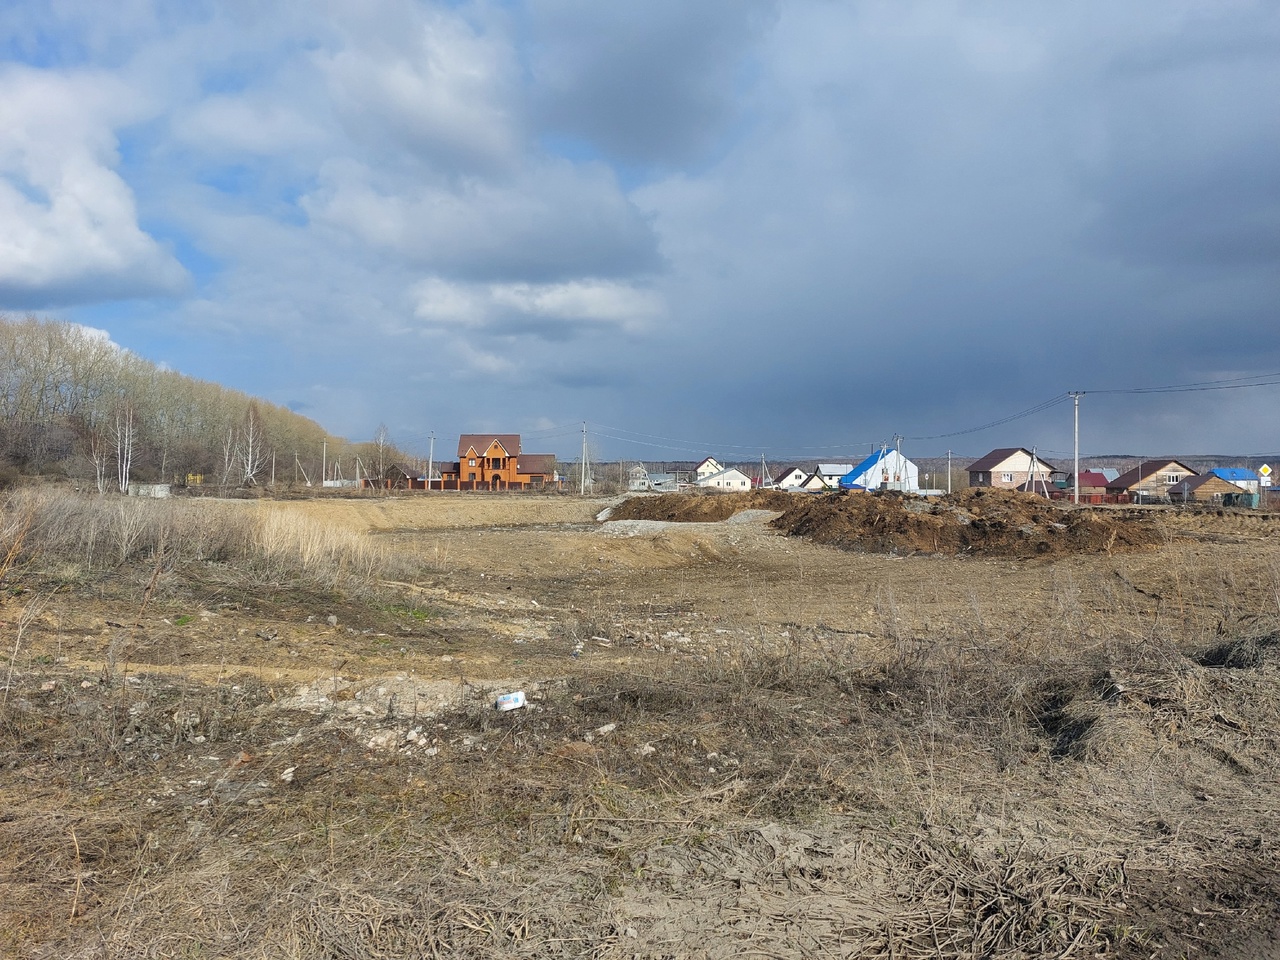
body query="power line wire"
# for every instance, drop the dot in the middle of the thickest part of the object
(1229, 383)
(1047, 404)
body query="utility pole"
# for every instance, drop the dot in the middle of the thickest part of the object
(582, 476)
(431, 460)
(324, 460)
(273, 468)
(948, 471)
(1075, 397)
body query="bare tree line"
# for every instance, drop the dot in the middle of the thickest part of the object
(74, 404)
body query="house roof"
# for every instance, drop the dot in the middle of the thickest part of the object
(1234, 474)
(536, 463)
(834, 469)
(1192, 484)
(723, 473)
(1143, 471)
(480, 442)
(1000, 455)
(705, 460)
(1093, 478)
(866, 464)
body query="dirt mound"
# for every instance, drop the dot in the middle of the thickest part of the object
(700, 507)
(981, 522)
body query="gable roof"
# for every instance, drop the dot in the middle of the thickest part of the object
(1000, 455)
(833, 469)
(1144, 471)
(1191, 484)
(1234, 474)
(480, 442)
(723, 473)
(1093, 478)
(866, 465)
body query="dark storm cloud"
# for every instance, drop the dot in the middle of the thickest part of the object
(643, 83)
(788, 226)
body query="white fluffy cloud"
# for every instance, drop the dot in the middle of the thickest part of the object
(71, 227)
(430, 83)
(509, 305)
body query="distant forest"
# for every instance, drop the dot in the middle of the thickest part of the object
(73, 404)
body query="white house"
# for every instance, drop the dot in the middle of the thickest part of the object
(725, 480)
(791, 479)
(705, 469)
(883, 470)
(638, 479)
(826, 476)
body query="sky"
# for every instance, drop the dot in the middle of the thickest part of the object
(726, 228)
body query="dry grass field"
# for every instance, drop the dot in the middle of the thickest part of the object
(862, 728)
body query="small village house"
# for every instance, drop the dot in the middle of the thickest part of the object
(826, 476)
(705, 469)
(1012, 468)
(641, 480)
(1093, 486)
(1150, 480)
(1205, 488)
(790, 479)
(638, 479)
(724, 481)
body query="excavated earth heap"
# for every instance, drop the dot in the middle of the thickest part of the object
(977, 522)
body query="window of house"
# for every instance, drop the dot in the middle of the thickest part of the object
(471, 476)
(1006, 478)
(1171, 478)
(472, 463)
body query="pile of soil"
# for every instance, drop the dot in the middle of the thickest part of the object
(979, 522)
(705, 507)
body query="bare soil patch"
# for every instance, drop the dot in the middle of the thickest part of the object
(737, 743)
(699, 507)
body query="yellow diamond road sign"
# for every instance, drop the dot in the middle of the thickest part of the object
(1265, 470)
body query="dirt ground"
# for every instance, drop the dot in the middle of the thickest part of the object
(755, 727)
